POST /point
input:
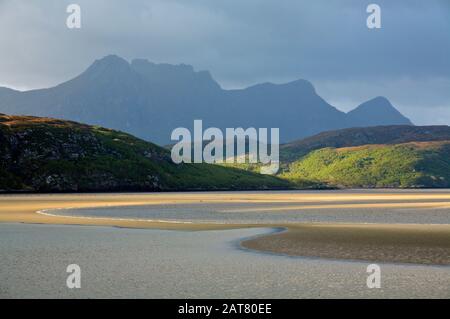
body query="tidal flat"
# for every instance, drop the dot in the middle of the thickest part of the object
(227, 244)
(148, 263)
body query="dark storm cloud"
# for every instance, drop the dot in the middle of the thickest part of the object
(244, 42)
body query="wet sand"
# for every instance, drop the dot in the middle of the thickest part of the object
(32, 209)
(418, 244)
(423, 242)
(142, 263)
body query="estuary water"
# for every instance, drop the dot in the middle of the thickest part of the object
(145, 263)
(137, 263)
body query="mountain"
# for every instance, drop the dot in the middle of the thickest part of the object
(408, 165)
(150, 100)
(375, 112)
(393, 134)
(49, 155)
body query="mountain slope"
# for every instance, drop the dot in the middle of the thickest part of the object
(416, 164)
(393, 134)
(378, 111)
(46, 155)
(150, 100)
(381, 156)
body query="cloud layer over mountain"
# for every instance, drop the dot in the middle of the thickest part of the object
(245, 42)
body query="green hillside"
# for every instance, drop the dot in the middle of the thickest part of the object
(358, 136)
(416, 164)
(391, 134)
(46, 155)
(49, 155)
(380, 156)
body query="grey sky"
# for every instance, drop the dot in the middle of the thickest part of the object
(243, 42)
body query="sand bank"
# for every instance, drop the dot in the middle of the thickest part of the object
(417, 243)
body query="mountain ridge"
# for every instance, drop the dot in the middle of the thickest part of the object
(149, 100)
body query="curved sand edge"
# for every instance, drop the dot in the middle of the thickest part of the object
(412, 243)
(33, 209)
(399, 243)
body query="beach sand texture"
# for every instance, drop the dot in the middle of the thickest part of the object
(421, 243)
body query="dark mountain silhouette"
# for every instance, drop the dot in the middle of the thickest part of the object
(150, 100)
(376, 111)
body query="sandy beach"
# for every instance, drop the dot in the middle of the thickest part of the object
(423, 242)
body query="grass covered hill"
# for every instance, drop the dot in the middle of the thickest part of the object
(403, 156)
(392, 134)
(48, 155)
(414, 164)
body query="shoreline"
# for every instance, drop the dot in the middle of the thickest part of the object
(426, 244)
(398, 244)
(234, 190)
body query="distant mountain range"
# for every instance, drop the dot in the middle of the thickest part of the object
(150, 100)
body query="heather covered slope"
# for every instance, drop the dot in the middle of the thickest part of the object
(392, 134)
(44, 154)
(402, 156)
(358, 136)
(408, 165)
(381, 156)
(48, 155)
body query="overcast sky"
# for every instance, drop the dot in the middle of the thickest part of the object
(244, 42)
